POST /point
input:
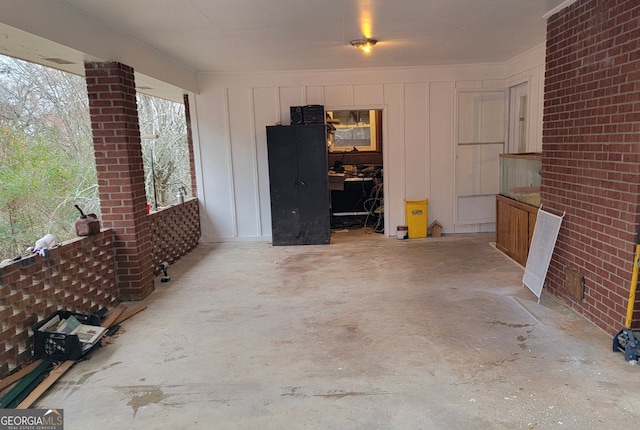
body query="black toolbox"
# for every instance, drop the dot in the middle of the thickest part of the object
(60, 346)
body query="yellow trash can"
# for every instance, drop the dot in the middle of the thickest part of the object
(416, 213)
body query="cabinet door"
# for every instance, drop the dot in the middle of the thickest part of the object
(521, 233)
(502, 225)
(313, 188)
(283, 182)
(514, 228)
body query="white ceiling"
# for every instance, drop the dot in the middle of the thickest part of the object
(249, 35)
(284, 35)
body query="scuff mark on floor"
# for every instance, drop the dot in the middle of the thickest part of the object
(294, 392)
(510, 358)
(85, 377)
(496, 322)
(176, 358)
(341, 394)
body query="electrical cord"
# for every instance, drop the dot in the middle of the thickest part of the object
(348, 223)
(375, 201)
(370, 205)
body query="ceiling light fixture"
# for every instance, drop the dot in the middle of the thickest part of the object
(364, 44)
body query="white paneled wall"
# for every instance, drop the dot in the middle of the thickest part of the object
(214, 169)
(416, 140)
(231, 111)
(393, 153)
(265, 111)
(338, 95)
(244, 162)
(441, 154)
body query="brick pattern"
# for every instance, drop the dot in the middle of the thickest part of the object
(116, 138)
(78, 275)
(174, 232)
(591, 152)
(88, 273)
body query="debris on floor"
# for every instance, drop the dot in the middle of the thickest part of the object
(60, 343)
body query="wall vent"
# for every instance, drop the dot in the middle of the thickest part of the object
(574, 284)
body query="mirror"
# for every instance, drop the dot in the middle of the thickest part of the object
(354, 130)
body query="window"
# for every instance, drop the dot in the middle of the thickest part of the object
(354, 130)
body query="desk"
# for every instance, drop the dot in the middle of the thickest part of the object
(350, 200)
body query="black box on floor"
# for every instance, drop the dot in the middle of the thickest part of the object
(60, 346)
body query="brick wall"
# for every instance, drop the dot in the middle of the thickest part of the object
(79, 276)
(174, 232)
(88, 273)
(123, 201)
(591, 152)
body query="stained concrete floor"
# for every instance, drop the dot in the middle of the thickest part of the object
(366, 333)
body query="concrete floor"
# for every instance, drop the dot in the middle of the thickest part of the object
(368, 332)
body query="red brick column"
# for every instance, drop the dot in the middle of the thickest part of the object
(116, 140)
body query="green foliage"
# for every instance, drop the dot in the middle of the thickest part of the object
(46, 154)
(47, 162)
(34, 179)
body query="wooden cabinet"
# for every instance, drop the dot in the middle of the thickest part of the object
(515, 222)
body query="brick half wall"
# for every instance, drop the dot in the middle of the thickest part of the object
(175, 231)
(79, 276)
(591, 153)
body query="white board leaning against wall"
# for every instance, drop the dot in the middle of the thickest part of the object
(545, 234)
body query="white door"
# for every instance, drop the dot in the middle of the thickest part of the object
(518, 99)
(480, 140)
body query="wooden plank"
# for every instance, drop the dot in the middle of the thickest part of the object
(45, 384)
(130, 313)
(24, 387)
(113, 316)
(14, 377)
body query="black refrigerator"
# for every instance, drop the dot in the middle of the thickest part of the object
(298, 181)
